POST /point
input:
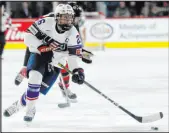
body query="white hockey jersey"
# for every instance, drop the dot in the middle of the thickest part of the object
(71, 38)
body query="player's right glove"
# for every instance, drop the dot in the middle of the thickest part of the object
(46, 48)
(21, 75)
(78, 76)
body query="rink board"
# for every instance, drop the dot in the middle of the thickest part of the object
(128, 33)
(111, 33)
(17, 45)
(130, 44)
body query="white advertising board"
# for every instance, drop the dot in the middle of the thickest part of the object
(127, 30)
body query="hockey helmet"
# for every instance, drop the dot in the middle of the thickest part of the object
(77, 9)
(64, 16)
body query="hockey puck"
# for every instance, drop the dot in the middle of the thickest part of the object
(154, 128)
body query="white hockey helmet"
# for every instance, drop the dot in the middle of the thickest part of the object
(64, 16)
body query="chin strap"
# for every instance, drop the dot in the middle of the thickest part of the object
(59, 29)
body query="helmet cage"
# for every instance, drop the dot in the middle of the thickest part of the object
(64, 17)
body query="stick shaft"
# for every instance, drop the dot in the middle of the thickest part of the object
(64, 87)
(102, 94)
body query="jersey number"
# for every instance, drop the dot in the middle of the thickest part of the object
(78, 39)
(41, 21)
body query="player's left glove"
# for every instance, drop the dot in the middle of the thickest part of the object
(78, 76)
(86, 56)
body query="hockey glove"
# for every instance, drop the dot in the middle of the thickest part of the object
(78, 76)
(45, 48)
(86, 55)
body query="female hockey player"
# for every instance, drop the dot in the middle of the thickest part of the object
(78, 21)
(50, 40)
(5, 23)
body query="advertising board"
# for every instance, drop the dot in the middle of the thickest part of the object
(112, 33)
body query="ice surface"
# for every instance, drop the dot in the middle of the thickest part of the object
(137, 79)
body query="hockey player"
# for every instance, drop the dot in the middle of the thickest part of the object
(5, 23)
(79, 20)
(50, 40)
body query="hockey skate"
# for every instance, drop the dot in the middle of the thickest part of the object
(71, 96)
(20, 76)
(14, 108)
(30, 113)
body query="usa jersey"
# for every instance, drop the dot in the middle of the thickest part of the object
(69, 42)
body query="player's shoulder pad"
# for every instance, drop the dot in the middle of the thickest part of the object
(74, 37)
(73, 31)
(51, 14)
(45, 23)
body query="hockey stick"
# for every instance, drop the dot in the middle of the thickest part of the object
(67, 104)
(144, 119)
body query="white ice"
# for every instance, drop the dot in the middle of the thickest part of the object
(137, 79)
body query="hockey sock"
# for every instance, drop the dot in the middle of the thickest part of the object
(34, 84)
(66, 77)
(23, 99)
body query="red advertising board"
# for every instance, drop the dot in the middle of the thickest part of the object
(16, 33)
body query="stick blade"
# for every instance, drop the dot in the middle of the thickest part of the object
(152, 118)
(63, 105)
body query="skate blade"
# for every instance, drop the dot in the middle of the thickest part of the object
(73, 100)
(28, 123)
